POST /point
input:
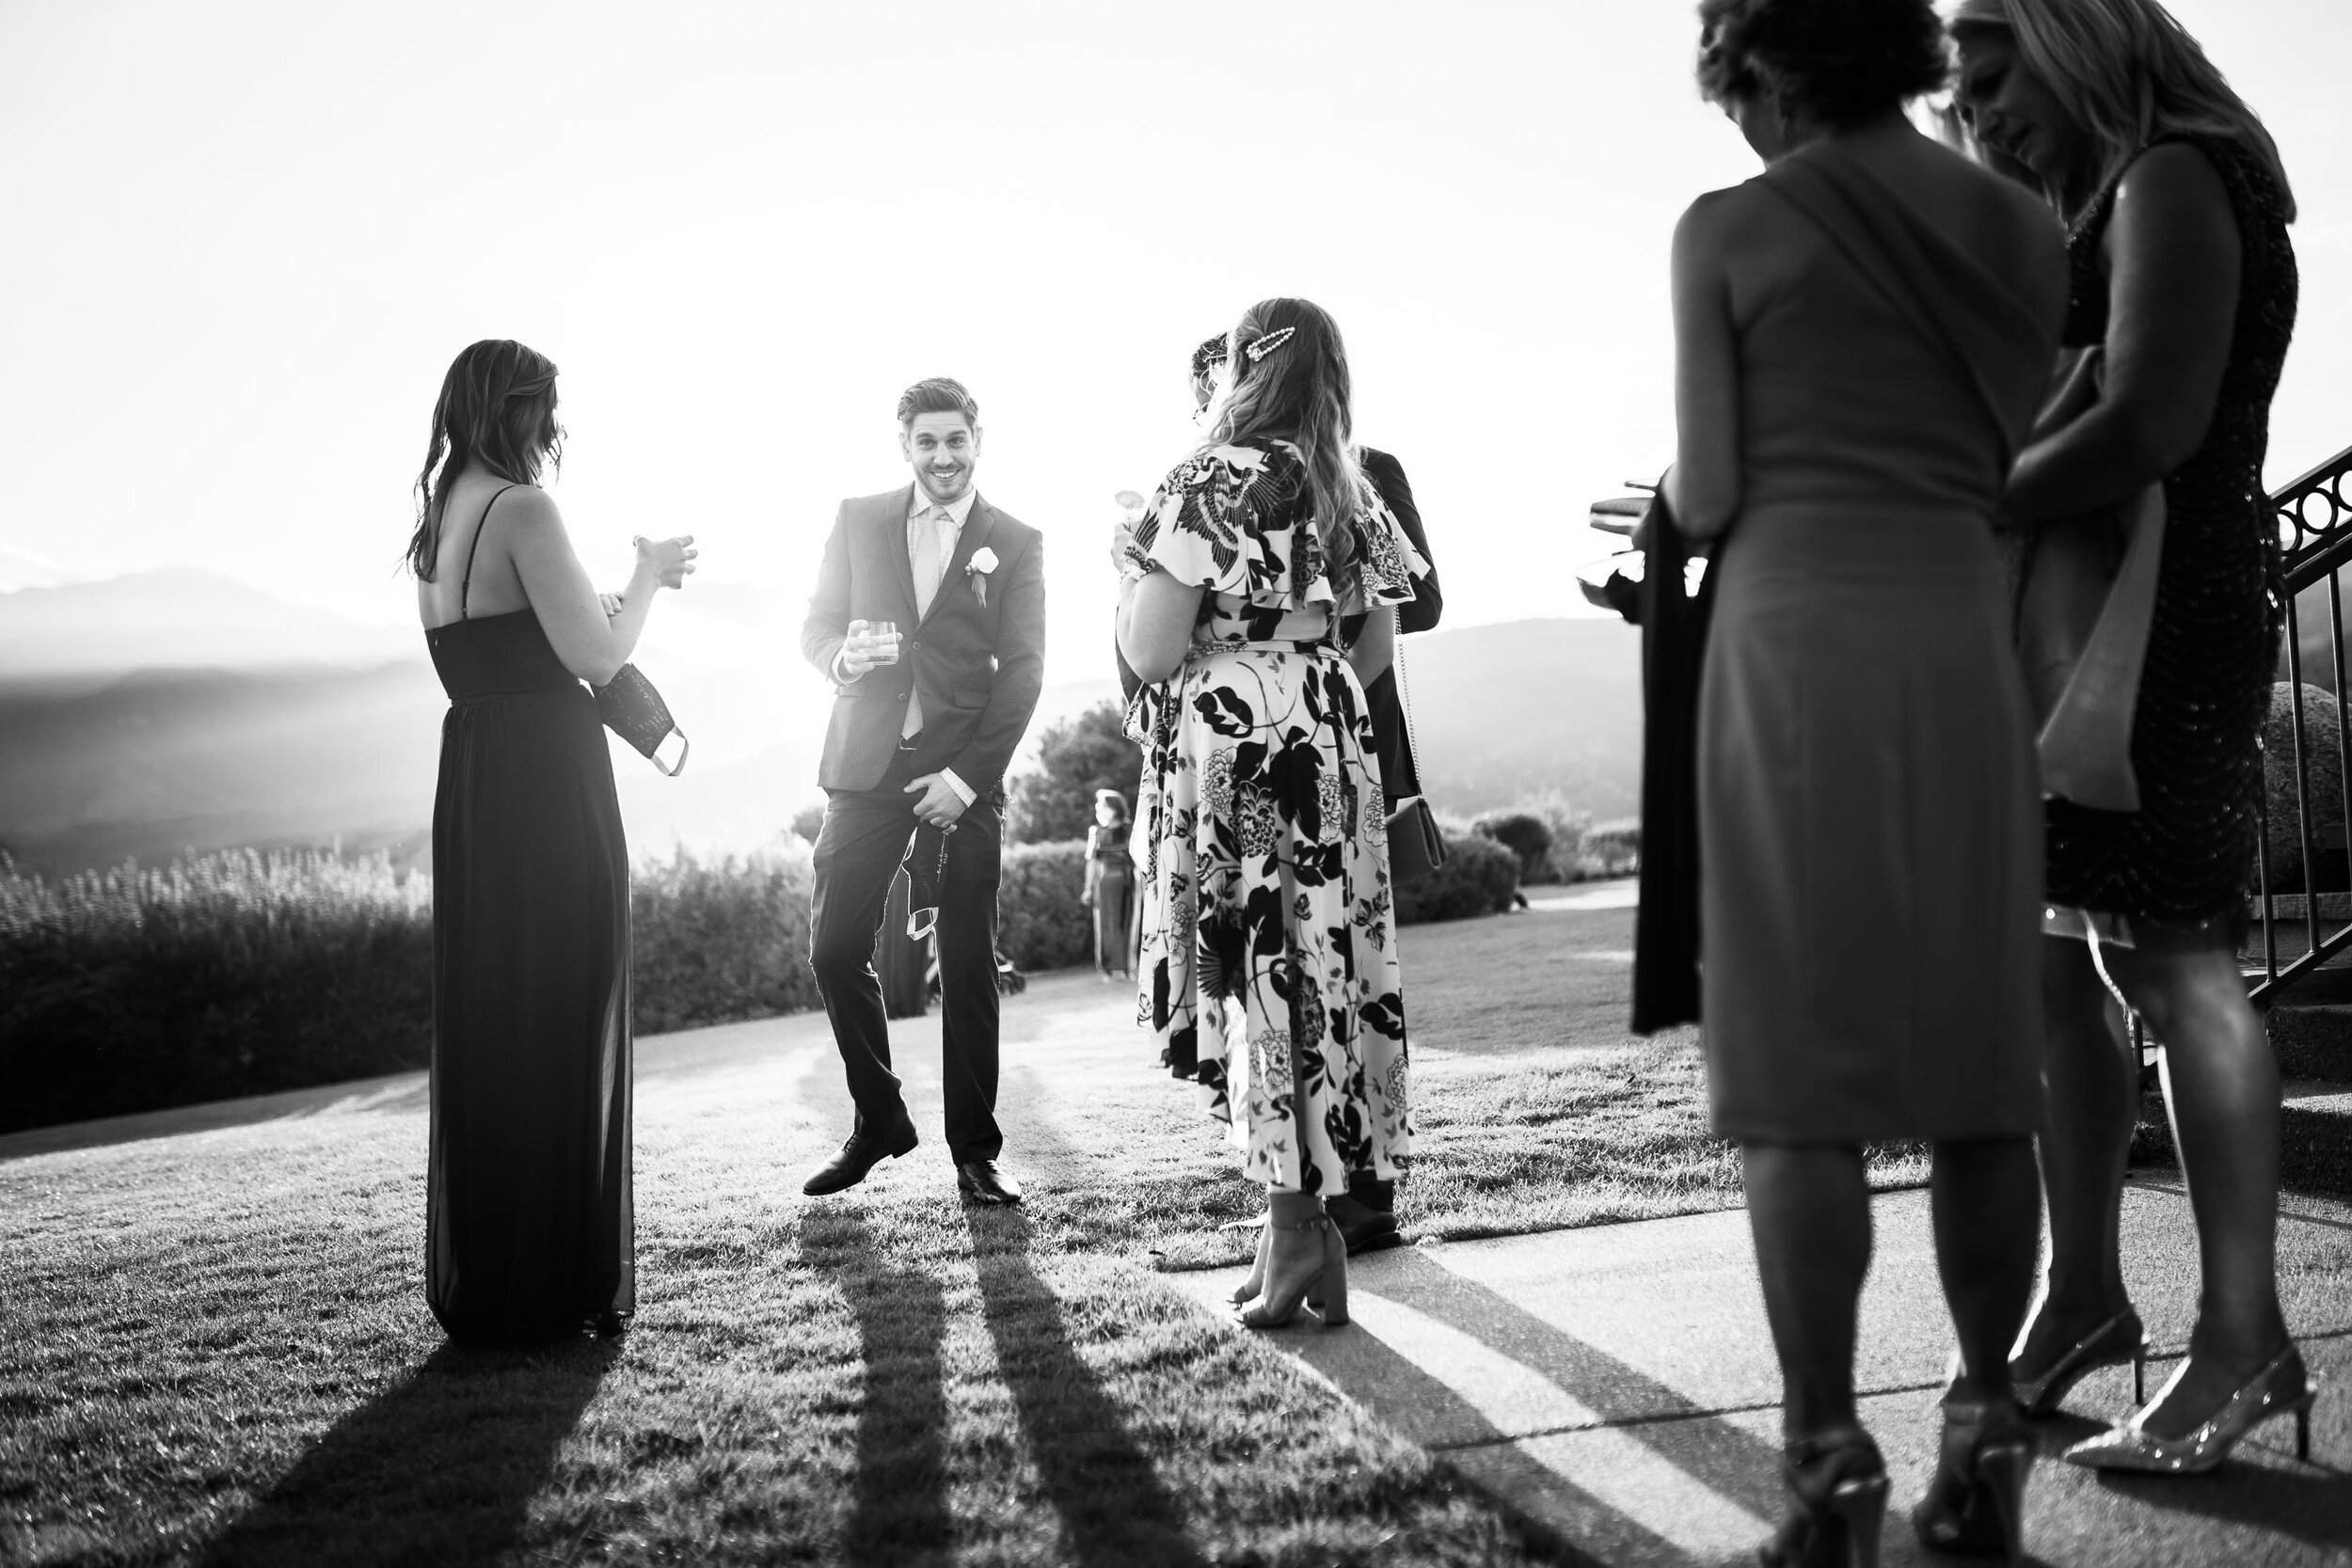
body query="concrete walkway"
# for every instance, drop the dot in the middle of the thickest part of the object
(1617, 1383)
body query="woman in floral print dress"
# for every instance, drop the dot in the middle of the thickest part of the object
(1264, 837)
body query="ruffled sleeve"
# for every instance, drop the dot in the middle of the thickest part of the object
(1386, 561)
(1237, 520)
(1206, 523)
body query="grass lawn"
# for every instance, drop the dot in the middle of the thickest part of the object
(215, 1347)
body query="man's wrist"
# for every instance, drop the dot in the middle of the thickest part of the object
(963, 791)
(841, 666)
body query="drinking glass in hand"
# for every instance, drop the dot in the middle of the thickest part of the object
(882, 640)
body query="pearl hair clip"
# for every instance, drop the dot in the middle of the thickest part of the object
(1268, 343)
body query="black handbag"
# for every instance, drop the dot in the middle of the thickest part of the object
(1416, 846)
(632, 709)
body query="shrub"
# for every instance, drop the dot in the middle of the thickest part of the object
(2323, 786)
(1041, 923)
(227, 974)
(1479, 878)
(1614, 848)
(243, 972)
(1581, 852)
(1525, 835)
(718, 940)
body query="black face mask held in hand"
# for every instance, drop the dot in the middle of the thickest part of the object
(632, 709)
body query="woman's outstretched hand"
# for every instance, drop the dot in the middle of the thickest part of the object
(667, 560)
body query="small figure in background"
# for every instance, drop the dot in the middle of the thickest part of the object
(1110, 884)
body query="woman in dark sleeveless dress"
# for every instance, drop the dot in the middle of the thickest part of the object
(1110, 885)
(1862, 334)
(2177, 209)
(529, 1228)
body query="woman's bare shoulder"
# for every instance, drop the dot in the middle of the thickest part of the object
(526, 514)
(1727, 229)
(1713, 216)
(2175, 179)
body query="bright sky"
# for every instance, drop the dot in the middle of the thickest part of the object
(244, 241)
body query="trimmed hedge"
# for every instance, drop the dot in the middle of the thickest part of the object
(1479, 877)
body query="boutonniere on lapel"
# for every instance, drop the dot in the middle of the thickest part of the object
(976, 572)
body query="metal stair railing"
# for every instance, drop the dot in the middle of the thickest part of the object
(2314, 519)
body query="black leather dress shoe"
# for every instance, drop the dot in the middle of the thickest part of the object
(983, 1182)
(1363, 1227)
(860, 1154)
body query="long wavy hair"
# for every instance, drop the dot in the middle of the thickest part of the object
(497, 408)
(2128, 72)
(1298, 390)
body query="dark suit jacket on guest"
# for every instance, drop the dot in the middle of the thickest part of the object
(1399, 777)
(979, 667)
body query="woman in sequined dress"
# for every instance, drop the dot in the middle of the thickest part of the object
(2177, 207)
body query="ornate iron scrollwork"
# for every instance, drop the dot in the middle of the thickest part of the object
(2315, 512)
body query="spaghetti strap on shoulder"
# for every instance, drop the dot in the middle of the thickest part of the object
(465, 585)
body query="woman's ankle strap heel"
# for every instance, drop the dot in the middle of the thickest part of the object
(1324, 1292)
(1976, 1502)
(1837, 1485)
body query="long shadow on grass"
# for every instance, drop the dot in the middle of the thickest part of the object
(1113, 1507)
(901, 1485)
(440, 1468)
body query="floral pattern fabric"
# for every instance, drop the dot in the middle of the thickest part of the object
(1269, 971)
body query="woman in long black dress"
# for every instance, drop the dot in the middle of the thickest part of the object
(2177, 209)
(529, 1227)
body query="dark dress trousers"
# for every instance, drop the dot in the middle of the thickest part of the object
(977, 666)
(1399, 777)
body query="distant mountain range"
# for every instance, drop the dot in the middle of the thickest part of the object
(181, 618)
(168, 711)
(1527, 707)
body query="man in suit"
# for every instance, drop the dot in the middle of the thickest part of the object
(924, 719)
